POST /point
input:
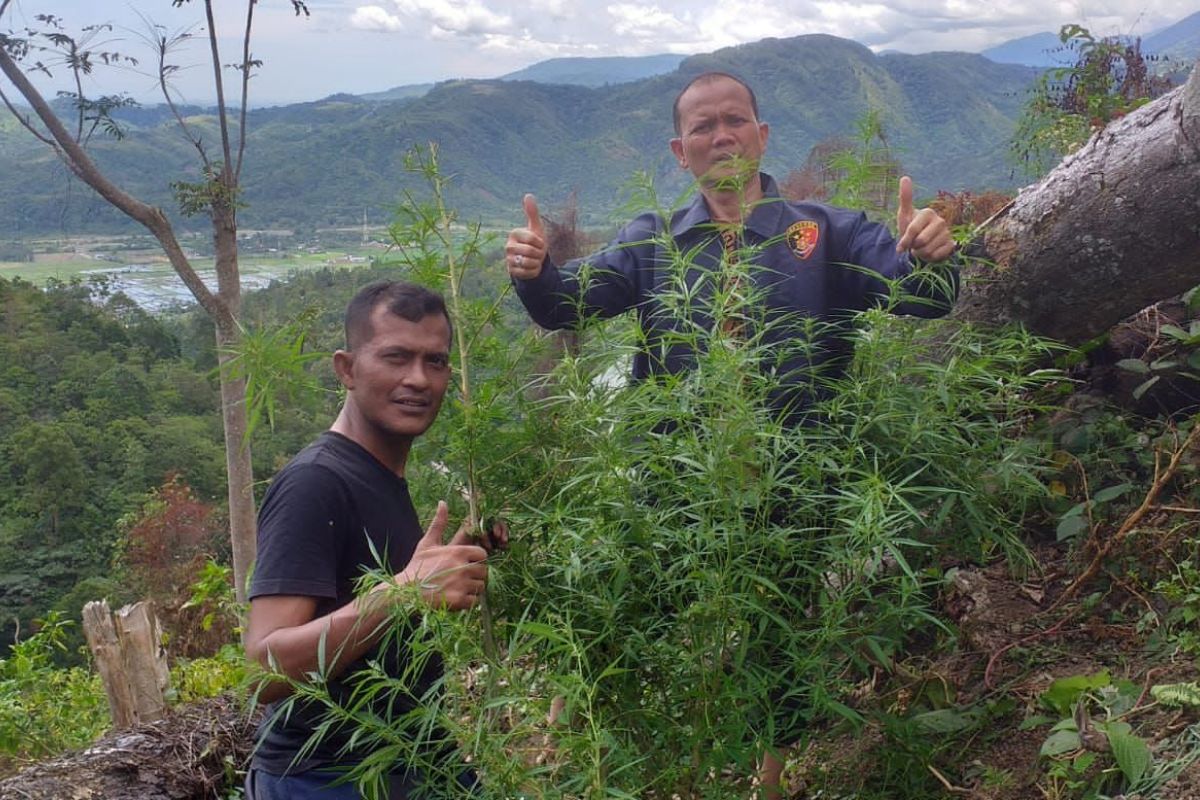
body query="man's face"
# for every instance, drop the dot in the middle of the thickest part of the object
(398, 377)
(720, 139)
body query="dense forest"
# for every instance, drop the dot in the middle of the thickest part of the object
(99, 409)
(106, 411)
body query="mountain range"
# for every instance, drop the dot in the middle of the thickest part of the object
(1179, 41)
(948, 118)
(596, 71)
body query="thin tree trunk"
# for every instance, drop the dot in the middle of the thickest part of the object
(1113, 229)
(242, 522)
(238, 466)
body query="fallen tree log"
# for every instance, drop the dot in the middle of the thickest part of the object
(1111, 230)
(188, 755)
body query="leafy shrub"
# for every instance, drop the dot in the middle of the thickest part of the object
(167, 547)
(44, 709)
(1109, 79)
(198, 678)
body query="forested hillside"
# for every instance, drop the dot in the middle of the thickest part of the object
(948, 117)
(598, 71)
(97, 408)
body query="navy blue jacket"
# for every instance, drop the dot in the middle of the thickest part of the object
(811, 263)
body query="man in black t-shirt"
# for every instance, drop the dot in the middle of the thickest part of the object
(341, 507)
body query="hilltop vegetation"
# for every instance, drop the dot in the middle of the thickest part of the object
(1178, 42)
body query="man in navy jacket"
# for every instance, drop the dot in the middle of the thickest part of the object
(806, 260)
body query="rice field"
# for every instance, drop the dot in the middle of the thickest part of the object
(148, 279)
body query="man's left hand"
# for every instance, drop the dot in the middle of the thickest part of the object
(923, 232)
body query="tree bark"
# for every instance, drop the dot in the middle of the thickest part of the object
(238, 466)
(127, 648)
(105, 645)
(144, 659)
(1111, 230)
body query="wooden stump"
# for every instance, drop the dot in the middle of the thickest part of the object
(132, 663)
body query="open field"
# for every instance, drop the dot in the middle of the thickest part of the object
(147, 277)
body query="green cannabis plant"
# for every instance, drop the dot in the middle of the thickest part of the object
(703, 565)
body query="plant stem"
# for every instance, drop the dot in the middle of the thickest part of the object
(464, 374)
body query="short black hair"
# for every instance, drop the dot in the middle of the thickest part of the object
(706, 77)
(406, 300)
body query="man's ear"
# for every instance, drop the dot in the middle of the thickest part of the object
(343, 367)
(677, 149)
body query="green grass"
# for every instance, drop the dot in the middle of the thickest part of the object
(43, 271)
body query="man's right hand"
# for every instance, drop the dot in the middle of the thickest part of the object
(526, 247)
(451, 575)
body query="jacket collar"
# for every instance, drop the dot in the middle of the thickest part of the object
(763, 219)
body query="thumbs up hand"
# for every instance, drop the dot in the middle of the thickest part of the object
(525, 249)
(450, 575)
(904, 215)
(923, 232)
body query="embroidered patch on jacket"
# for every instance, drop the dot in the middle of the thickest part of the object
(802, 238)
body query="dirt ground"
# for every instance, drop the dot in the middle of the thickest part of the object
(190, 755)
(1001, 762)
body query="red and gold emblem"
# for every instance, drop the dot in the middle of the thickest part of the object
(802, 238)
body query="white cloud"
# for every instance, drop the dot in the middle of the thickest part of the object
(374, 18)
(644, 21)
(524, 43)
(739, 21)
(455, 17)
(558, 9)
(524, 31)
(426, 40)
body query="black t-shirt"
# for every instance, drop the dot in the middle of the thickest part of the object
(322, 516)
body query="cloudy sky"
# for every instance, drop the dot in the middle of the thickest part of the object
(369, 45)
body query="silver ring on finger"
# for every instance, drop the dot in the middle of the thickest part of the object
(518, 260)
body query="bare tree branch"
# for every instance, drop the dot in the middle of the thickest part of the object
(162, 45)
(237, 167)
(74, 63)
(81, 164)
(219, 84)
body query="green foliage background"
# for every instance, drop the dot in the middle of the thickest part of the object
(96, 407)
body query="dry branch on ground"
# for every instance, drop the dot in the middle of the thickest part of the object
(188, 755)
